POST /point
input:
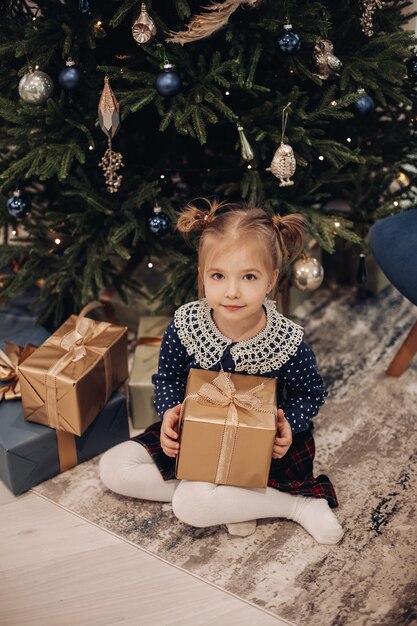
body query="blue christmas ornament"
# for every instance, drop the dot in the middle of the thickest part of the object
(364, 105)
(362, 273)
(159, 223)
(70, 76)
(289, 42)
(18, 205)
(84, 6)
(168, 83)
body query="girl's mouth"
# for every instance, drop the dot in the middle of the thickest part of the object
(232, 308)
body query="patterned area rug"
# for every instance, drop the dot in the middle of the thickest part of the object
(366, 441)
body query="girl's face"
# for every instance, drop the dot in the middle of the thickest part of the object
(236, 280)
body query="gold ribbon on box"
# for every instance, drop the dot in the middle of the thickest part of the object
(67, 450)
(9, 361)
(222, 392)
(149, 340)
(75, 343)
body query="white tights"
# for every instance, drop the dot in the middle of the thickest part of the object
(129, 470)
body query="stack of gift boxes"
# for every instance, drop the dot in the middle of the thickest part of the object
(60, 402)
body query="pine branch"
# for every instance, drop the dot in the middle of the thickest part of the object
(122, 12)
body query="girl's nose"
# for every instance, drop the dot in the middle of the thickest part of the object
(232, 291)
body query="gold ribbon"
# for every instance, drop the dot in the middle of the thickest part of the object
(151, 340)
(67, 450)
(75, 343)
(222, 392)
(9, 362)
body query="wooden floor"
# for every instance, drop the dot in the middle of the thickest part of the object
(57, 569)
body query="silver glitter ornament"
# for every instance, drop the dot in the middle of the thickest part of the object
(245, 147)
(366, 20)
(307, 273)
(327, 64)
(283, 164)
(35, 87)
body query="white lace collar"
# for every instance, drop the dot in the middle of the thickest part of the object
(267, 351)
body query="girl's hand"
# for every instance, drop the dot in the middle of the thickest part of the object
(283, 440)
(168, 433)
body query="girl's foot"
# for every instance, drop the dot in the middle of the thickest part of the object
(315, 515)
(242, 529)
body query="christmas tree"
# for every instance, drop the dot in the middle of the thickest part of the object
(207, 95)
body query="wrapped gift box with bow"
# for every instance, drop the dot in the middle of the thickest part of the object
(227, 428)
(68, 380)
(30, 453)
(145, 363)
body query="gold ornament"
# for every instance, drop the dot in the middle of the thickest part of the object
(366, 20)
(109, 118)
(400, 181)
(245, 147)
(327, 64)
(403, 179)
(307, 273)
(205, 24)
(283, 164)
(143, 28)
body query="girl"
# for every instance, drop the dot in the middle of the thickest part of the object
(233, 325)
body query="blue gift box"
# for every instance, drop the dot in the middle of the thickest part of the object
(29, 451)
(19, 315)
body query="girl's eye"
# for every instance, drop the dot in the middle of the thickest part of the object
(217, 276)
(250, 276)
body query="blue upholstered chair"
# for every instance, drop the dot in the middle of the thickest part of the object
(393, 241)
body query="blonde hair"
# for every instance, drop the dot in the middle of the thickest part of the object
(281, 238)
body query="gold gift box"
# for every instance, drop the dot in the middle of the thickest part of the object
(227, 431)
(145, 363)
(67, 381)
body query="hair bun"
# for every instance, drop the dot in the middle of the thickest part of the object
(193, 219)
(290, 231)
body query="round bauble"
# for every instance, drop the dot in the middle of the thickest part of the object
(69, 78)
(364, 105)
(289, 42)
(159, 223)
(168, 82)
(19, 205)
(307, 274)
(36, 87)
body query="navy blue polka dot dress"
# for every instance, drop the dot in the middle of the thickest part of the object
(192, 340)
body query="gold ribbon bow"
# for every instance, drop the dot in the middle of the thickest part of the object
(9, 361)
(222, 392)
(75, 344)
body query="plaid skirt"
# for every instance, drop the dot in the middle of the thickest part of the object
(293, 473)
